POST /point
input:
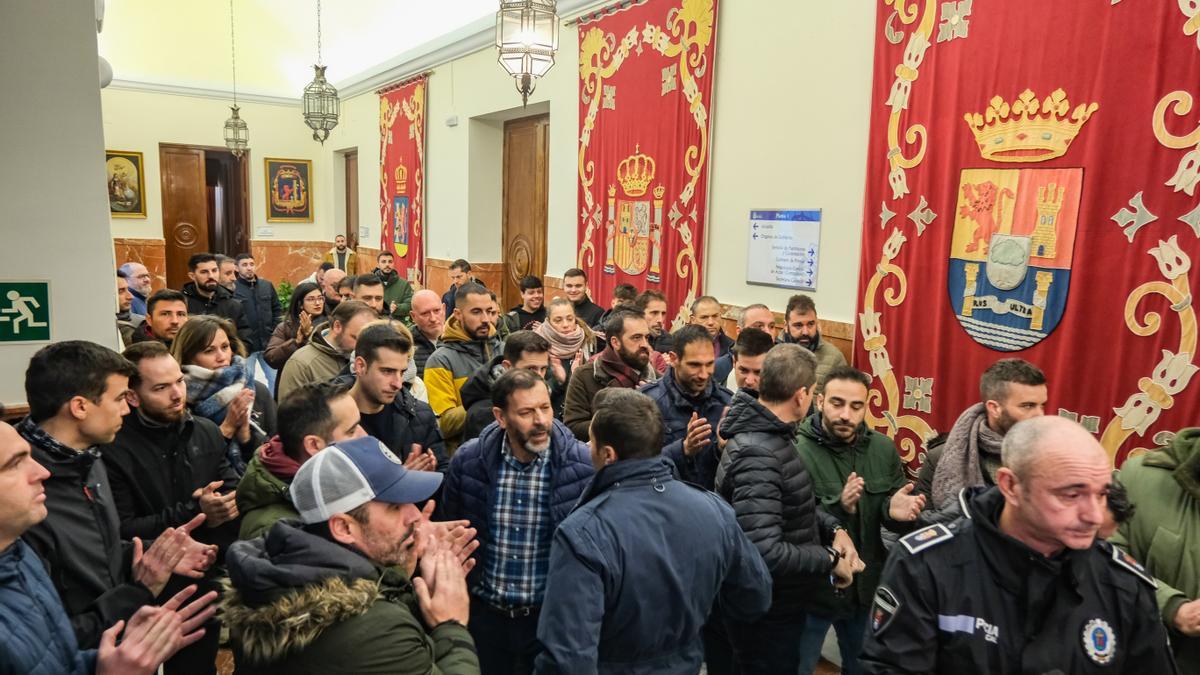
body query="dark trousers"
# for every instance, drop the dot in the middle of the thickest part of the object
(506, 645)
(718, 652)
(769, 646)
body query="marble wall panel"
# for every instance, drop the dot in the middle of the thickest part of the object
(289, 261)
(150, 252)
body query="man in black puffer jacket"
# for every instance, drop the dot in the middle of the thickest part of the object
(523, 349)
(763, 477)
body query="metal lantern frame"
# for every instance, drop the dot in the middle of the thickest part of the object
(237, 134)
(321, 104)
(526, 41)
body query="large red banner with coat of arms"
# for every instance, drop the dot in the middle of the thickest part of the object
(1032, 191)
(402, 175)
(645, 95)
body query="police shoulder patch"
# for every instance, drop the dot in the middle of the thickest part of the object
(883, 609)
(1126, 561)
(926, 537)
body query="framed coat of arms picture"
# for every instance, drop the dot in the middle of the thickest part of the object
(289, 190)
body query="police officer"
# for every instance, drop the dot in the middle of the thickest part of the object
(1020, 585)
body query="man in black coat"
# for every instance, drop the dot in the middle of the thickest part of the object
(263, 311)
(576, 290)
(523, 349)
(76, 392)
(206, 295)
(762, 476)
(389, 412)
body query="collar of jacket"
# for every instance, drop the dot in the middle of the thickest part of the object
(288, 558)
(1182, 458)
(321, 343)
(389, 278)
(1011, 561)
(748, 414)
(629, 472)
(10, 561)
(221, 293)
(183, 427)
(813, 427)
(683, 400)
(59, 460)
(785, 338)
(491, 443)
(242, 282)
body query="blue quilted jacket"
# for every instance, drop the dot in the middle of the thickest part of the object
(37, 635)
(468, 489)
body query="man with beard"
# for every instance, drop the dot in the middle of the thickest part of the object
(523, 349)
(857, 478)
(801, 328)
(468, 342)
(77, 401)
(1012, 390)
(127, 321)
(532, 309)
(331, 593)
(653, 306)
(692, 405)
(1021, 584)
(205, 294)
(168, 312)
(166, 467)
(341, 256)
(327, 352)
(329, 286)
(427, 321)
(140, 283)
(575, 288)
(388, 410)
(397, 292)
(227, 273)
(515, 484)
(368, 289)
(460, 275)
(263, 311)
(625, 363)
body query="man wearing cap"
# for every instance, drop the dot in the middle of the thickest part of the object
(345, 568)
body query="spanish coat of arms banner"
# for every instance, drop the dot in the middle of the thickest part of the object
(402, 176)
(645, 95)
(1032, 192)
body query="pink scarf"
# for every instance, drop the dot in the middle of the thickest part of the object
(563, 346)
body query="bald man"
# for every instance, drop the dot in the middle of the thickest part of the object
(329, 286)
(427, 319)
(1020, 584)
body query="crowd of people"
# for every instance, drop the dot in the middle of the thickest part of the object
(379, 479)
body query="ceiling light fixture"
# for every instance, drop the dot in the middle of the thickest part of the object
(526, 41)
(237, 135)
(321, 104)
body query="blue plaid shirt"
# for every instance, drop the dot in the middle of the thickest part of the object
(515, 575)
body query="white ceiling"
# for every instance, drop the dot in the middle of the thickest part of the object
(185, 43)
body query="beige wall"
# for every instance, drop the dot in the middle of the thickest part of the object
(55, 223)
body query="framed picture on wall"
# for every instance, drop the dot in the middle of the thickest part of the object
(126, 184)
(289, 190)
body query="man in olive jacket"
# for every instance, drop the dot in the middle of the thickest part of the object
(1164, 535)
(857, 478)
(332, 595)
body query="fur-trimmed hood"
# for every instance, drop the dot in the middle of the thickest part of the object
(287, 587)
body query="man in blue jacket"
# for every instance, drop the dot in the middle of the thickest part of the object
(38, 638)
(515, 484)
(636, 568)
(692, 404)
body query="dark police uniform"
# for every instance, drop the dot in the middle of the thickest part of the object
(965, 598)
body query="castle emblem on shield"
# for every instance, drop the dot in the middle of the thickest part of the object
(633, 239)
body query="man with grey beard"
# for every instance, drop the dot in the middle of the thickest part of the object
(515, 484)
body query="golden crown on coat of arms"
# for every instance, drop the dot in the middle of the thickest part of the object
(1028, 130)
(401, 181)
(636, 172)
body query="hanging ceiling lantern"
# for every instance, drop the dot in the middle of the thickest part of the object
(321, 104)
(526, 40)
(237, 135)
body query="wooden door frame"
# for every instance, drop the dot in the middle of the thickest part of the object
(504, 201)
(352, 239)
(245, 179)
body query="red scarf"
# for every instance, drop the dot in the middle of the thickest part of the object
(276, 461)
(611, 363)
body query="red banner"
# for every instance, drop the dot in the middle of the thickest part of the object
(645, 85)
(1031, 192)
(402, 176)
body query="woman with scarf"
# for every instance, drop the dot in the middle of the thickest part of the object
(305, 313)
(221, 385)
(572, 344)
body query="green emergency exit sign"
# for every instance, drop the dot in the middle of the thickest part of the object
(24, 311)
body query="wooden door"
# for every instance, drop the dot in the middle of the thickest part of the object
(185, 208)
(526, 210)
(352, 200)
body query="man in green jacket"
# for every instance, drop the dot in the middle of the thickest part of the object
(397, 292)
(858, 479)
(313, 416)
(1164, 535)
(330, 594)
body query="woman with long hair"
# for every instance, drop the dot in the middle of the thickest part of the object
(572, 344)
(305, 312)
(221, 385)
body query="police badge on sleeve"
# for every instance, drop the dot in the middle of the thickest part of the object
(1099, 641)
(883, 609)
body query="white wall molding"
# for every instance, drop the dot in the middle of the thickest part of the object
(197, 92)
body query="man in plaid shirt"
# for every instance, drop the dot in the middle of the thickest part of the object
(515, 483)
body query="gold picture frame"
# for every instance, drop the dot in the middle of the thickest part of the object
(288, 186)
(126, 183)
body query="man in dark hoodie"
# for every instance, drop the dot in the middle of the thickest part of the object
(331, 594)
(389, 411)
(532, 309)
(468, 342)
(763, 477)
(858, 479)
(692, 405)
(523, 349)
(260, 302)
(206, 295)
(397, 292)
(801, 328)
(576, 290)
(315, 415)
